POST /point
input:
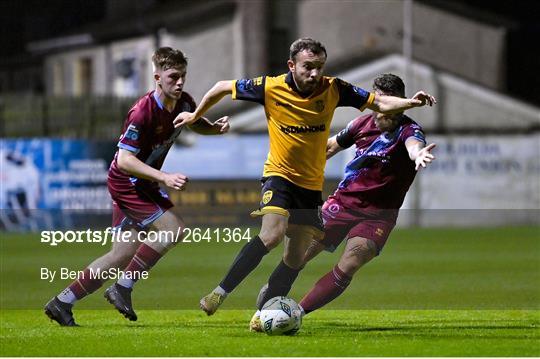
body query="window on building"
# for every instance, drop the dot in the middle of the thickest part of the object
(83, 76)
(58, 80)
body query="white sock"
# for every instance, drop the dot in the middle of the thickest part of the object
(125, 282)
(67, 296)
(220, 291)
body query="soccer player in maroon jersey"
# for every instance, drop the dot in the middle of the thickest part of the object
(390, 149)
(364, 209)
(134, 184)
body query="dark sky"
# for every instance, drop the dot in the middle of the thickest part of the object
(22, 21)
(523, 52)
(27, 20)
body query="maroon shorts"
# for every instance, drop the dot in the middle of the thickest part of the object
(138, 206)
(341, 223)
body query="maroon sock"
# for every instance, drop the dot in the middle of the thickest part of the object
(144, 259)
(85, 284)
(328, 288)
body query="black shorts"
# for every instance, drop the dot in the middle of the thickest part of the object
(281, 196)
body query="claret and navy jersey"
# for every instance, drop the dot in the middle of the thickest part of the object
(148, 133)
(366, 203)
(299, 126)
(380, 174)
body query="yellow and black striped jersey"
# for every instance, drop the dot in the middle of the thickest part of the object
(299, 126)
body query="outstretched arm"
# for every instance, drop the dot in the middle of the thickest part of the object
(203, 126)
(213, 96)
(418, 153)
(392, 104)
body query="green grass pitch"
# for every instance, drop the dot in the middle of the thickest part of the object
(432, 292)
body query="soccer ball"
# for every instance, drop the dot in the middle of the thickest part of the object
(281, 316)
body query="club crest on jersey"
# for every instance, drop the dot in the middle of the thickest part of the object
(379, 232)
(331, 211)
(267, 196)
(333, 208)
(132, 133)
(319, 106)
(186, 107)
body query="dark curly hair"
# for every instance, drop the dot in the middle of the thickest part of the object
(306, 43)
(389, 84)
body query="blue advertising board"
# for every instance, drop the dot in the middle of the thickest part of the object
(43, 179)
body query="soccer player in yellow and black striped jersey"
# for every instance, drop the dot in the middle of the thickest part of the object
(299, 107)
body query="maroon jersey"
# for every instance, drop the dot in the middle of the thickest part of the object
(149, 133)
(381, 172)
